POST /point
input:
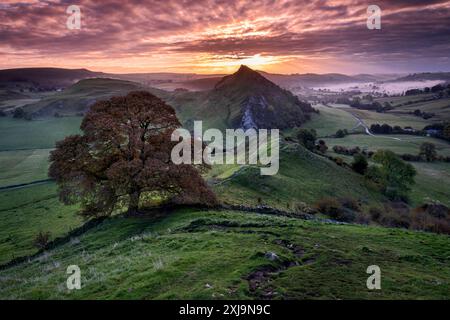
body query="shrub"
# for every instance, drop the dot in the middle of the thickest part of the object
(350, 203)
(19, 113)
(335, 209)
(359, 163)
(428, 151)
(346, 151)
(394, 176)
(362, 218)
(422, 220)
(339, 161)
(391, 218)
(341, 133)
(306, 137)
(375, 214)
(41, 239)
(328, 205)
(410, 157)
(437, 210)
(322, 146)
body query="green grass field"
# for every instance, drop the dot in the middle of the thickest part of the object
(330, 120)
(17, 134)
(399, 100)
(432, 183)
(25, 147)
(441, 108)
(209, 255)
(23, 166)
(24, 212)
(403, 120)
(407, 143)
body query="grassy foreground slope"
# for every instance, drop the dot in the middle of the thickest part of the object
(214, 255)
(25, 212)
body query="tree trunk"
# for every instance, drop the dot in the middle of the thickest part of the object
(133, 206)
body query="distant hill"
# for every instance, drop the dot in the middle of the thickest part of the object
(444, 76)
(44, 78)
(290, 80)
(77, 99)
(244, 99)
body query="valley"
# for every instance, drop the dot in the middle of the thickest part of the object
(217, 253)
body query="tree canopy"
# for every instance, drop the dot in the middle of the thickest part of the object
(123, 158)
(393, 174)
(428, 151)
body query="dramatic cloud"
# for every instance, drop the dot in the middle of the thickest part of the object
(215, 36)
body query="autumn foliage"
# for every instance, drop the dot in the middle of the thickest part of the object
(123, 157)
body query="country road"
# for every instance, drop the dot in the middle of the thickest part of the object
(366, 128)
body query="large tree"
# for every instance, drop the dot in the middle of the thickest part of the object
(124, 154)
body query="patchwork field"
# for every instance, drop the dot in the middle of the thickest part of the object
(440, 108)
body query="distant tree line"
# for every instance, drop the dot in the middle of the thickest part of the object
(438, 130)
(439, 88)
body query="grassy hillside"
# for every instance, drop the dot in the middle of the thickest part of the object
(77, 98)
(215, 255)
(303, 177)
(432, 183)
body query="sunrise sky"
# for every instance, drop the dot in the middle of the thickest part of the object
(206, 36)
